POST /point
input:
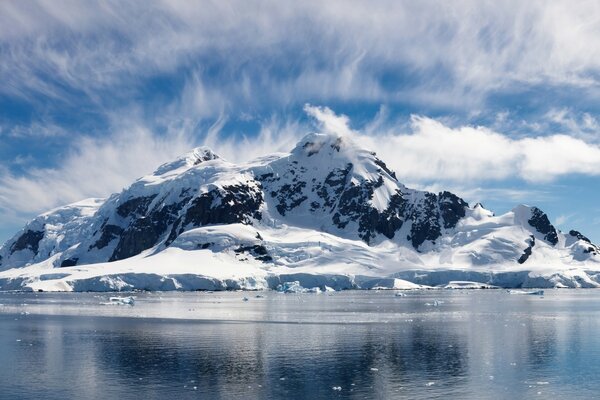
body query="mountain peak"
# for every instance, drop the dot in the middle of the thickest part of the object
(192, 158)
(314, 143)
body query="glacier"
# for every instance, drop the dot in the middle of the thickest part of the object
(327, 214)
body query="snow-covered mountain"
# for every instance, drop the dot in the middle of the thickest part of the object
(327, 213)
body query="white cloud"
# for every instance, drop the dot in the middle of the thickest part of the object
(329, 121)
(275, 135)
(562, 219)
(93, 167)
(433, 151)
(283, 52)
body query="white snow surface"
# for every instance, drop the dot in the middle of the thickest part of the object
(482, 249)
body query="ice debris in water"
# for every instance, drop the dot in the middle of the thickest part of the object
(435, 303)
(245, 299)
(529, 292)
(295, 287)
(121, 301)
(337, 388)
(400, 294)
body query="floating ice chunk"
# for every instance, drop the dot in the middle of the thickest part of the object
(245, 299)
(121, 301)
(259, 296)
(529, 292)
(430, 384)
(374, 369)
(400, 294)
(337, 388)
(295, 287)
(313, 290)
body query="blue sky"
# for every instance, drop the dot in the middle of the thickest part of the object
(497, 101)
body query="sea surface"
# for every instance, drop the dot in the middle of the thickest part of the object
(470, 344)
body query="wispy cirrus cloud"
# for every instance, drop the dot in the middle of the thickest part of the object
(94, 167)
(301, 51)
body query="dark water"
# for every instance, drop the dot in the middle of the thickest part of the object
(473, 344)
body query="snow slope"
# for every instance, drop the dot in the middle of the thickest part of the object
(328, 213)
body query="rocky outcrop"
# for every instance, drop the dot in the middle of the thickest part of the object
(539, 220)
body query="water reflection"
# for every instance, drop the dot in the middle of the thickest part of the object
(474, 345)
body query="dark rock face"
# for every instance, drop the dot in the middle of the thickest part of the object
(333, 186)
(579, 236)
(136, 207)
(258, 251)
(527, 252)
(145, 232)
(426, 221)
(436, 211)
(140, 236)
(289, 197)
(109, 233)
(542, 224)
(234, 204)
(28, 240)
(385, 168)
(69, 262)
(452, 208)
(231, 204)
(354, 206)
(591, 248)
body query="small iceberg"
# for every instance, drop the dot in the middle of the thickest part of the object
(529, 292)
(295, 287)
(121, 301)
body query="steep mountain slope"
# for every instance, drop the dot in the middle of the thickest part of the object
(328, 209)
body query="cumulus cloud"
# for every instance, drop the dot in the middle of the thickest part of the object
(329, 121)
(433, 151)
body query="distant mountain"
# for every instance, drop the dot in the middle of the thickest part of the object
(328, 213)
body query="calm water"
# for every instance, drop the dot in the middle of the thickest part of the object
(473, 344)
